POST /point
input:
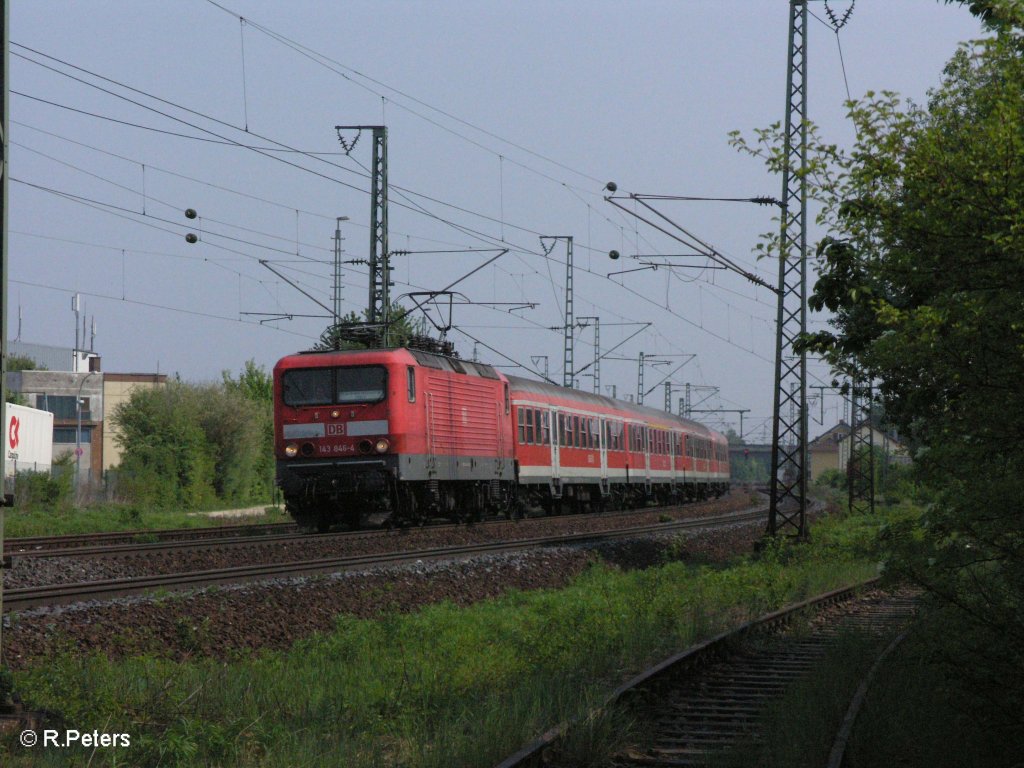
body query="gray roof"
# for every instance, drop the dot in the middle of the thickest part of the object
(51, 358)
(587, 398)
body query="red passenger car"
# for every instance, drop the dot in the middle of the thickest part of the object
(591, 450)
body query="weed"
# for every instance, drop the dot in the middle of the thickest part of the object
(439, 687)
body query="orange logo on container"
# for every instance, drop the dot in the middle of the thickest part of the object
(12, 432)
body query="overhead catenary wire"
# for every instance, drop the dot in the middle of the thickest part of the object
(461, 228)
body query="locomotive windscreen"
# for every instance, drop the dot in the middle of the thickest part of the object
(332, 386)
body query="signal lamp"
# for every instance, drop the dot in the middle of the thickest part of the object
(291, 450)
(382, 445)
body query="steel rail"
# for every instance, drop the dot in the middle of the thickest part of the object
(694, 657)
(37, 544)
(58, 594)
(210, 541)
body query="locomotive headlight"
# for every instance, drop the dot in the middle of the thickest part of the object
(382, 445)
(291, 450)
(335, 414)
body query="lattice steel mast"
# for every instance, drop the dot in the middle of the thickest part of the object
(788, 503)
(568, 325)
(861, 464)
(378, 312)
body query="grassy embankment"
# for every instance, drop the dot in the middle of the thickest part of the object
(440, 687)
(62, 520)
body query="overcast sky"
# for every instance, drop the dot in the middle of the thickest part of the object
(505, 120)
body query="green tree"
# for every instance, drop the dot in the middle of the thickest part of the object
(19, 363)
(733, 437)
(922, 272)
(166, 460)
(192, 445)
(403, 328)
(255, 385)
(23, 363)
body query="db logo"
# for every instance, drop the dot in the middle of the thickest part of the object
(12, 432)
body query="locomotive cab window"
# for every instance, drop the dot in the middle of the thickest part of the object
(309, 386)
(360, 385)
(411, 383)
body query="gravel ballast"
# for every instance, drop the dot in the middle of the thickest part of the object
(225, 621)
(39, 571)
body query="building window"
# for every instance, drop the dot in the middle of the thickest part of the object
(63, 406)
(69, 435)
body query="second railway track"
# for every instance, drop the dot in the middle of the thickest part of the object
(50, 595)
(703, 702)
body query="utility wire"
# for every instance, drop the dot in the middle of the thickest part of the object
(321, 58)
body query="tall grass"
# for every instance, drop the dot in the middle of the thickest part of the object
(445, 686)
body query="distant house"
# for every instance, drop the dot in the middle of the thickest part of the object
(117, 389)
(81, 399)
(831, 449)
(889, 446)
(823, 451)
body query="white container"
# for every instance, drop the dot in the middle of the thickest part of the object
(28, 440)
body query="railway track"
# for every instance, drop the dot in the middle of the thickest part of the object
(51, 595)
(710, 698)
(134, 543)
(33, 545)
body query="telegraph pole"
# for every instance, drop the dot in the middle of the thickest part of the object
(5, 500)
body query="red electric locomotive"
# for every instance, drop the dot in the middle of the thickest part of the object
(397, 433)
(404, 435)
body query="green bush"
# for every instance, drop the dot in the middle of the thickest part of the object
(33, 490)
(194, 446)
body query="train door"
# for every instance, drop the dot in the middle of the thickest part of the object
(671, 437)
(500, 463)
(557, 430)
(645, 435)
(603, 438)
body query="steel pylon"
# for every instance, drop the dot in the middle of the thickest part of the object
(380, 266)
(861, 463)
(788, 503)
